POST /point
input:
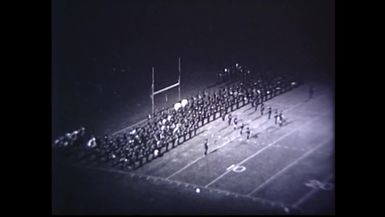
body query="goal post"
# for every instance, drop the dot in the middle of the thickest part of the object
(154, 93)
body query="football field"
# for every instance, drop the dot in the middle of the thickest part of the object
(285, 169)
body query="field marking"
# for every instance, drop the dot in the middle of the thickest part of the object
(302, 102)
(190, 143)
(267, 146)
(287, 167)
(302, 149)
(262, 201)
(180, 170)
(236, 113)
(310, 193)
(236, 168)
(196, 160)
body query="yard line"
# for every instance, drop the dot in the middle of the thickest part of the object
(181, 183)
(300, 103)
(307, 195)
(196, 160)
(264, 148)
(188, 165)
(287, 167)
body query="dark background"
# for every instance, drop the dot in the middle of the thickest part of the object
(102, 51)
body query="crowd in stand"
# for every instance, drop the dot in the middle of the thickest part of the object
(171, 127)
(233, 73)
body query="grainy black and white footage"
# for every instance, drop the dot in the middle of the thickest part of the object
(193, 107)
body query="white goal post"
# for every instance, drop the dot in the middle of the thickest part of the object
(154, 93)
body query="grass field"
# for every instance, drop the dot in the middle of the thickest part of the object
(280, 169)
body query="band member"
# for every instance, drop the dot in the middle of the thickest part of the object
(276, 116)
(229, 119)
(206, 146)
(248, 133)
(269, 112)
(242, 126)
(262, 108)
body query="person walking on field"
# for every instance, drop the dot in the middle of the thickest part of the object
(235, 123)
(276, 116)
(206, 146)
(248, 133)
(262, 108)
(269, 112)
(229, 119)
(242, 126)
(281, 119)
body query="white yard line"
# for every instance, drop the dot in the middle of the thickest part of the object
(264, 148)
(286, 168)
(220, 191)
(303, 149)
(196, 160)
(188, 165)
(236, 112)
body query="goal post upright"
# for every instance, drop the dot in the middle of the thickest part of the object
(179, 69)
(152, 90)
(177, 84)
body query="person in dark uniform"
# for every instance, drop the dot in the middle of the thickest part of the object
(262, 108)
(248, 133)
(206, 146)
(229, 118)
(242, 126)
(149, 118)
(276, 116)
(186, 127)
(235, 122)
(269, 112)
(202, 118)
(191, 128)
(281, 120)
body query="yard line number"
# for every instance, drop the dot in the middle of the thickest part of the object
(236, 168)
(326, 186)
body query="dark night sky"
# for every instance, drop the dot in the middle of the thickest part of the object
(102, 51)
